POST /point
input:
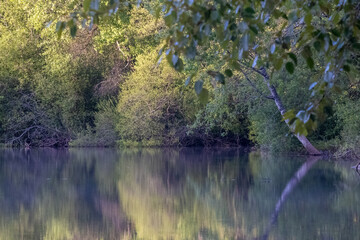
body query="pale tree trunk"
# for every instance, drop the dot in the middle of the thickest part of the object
(304, 141)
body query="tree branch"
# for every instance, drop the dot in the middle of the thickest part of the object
(254, 86)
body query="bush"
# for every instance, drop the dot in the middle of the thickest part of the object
(224, 119)
(348, 113)
(104, 133)
(150, 104)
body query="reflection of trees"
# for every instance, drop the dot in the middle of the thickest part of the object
(229, 197)
(317, 215)
(54, 194)
(174, 195)
(306, 207)
(170, 194)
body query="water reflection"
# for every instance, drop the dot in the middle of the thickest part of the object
(290, 186)
(172, 194)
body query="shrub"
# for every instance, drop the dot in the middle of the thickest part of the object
(150, 103)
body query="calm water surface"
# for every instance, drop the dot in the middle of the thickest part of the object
(175, 194)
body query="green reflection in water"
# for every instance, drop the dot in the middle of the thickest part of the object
(173, 194)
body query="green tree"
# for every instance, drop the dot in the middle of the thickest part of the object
(49, 88)
(150, 104)
(261, 36)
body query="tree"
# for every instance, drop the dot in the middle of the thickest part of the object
(261, 36)
(48, 88)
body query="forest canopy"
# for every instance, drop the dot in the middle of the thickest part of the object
(274, 74)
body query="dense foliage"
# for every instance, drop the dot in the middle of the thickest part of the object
(97, 80)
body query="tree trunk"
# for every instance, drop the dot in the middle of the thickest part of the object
(304, 141)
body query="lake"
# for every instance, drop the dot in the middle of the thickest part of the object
(175, 194)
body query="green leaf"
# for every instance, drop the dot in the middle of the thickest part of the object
(317, 46)
(169, 18)
(174, 59)
(306, 53)
(335, 32)
(168, 56)
(300, 128)
(220, 78)
(246, 42)
(328, 76)
(293, 57)
(278, 63)
(346, 68)
(306, 117)
(310, 62)
(235, 65)
(190, 52)
(255, 61)
(60, 26)
(94, 4)
(273, 47)
(204, 96)
(290, 67)
(157, 12)
(336, 18)
(254, 29)
(188, 81)
(250, 10)
(277, 13)
(289, 115)
(86, 5)
(228, 73)
(214, 15)
(300, 114)
(308, 18)
(73, 30)
(198, 86)
(292, 16)
(179, 66)
(356, 45)
(196, 18)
